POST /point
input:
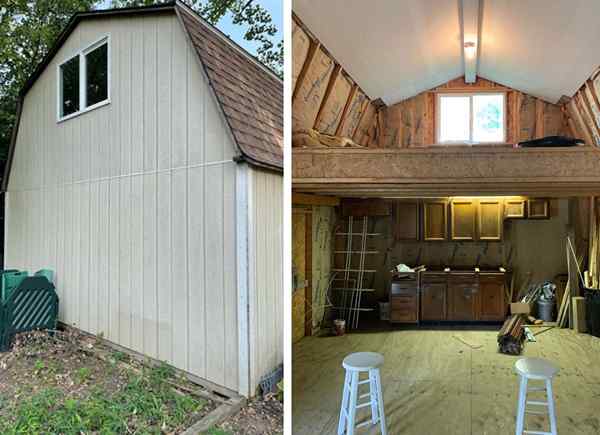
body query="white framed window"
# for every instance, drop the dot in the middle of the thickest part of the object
(84, 80)
(478, 117)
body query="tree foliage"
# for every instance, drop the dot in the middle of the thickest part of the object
(27, 31)
(29, 28)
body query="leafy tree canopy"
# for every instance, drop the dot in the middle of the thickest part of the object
(28, 28)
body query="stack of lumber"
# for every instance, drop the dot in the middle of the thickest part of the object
(572, 288)
(512, 335)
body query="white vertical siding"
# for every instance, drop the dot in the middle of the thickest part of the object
(265, 264)
(133, 204)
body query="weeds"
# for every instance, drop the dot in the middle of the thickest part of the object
(146, 404)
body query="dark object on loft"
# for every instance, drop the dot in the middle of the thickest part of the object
(552, 141)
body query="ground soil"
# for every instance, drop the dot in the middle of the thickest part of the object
(259, 416)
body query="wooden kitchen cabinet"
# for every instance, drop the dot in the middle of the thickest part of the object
(461, 298)
(406, 221)
(492, 305)
(435, 221)
(490, 220)
(433, 300)
(514, 208)
(462, 219)
(537, 209)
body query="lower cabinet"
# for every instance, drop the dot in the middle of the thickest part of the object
(404, 301)
(461, 300)
(492, 304)
(433, 301)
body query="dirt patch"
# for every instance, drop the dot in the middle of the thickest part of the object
(259, 416)
(67, 382)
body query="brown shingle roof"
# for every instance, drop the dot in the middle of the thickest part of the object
(251, 96)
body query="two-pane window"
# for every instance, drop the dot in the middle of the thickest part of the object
(471, 118)
(83, 81)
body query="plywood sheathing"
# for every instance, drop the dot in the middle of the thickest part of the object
(434, 384)
(299, 217)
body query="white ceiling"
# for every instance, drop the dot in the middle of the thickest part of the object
(395, 49)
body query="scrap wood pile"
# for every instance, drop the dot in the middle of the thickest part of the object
(574, 262)
(512, 335)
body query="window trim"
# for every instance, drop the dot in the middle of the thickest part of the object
(83, 80)
(470, 141)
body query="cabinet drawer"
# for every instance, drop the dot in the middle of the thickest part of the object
(400, 288)
(403, 301)
(403, 309)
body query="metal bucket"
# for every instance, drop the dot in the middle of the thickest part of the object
(545, 310)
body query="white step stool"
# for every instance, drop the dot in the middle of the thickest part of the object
(540, 370)
(354, 364)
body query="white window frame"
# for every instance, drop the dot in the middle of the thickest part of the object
(82, 80)
(438, 117)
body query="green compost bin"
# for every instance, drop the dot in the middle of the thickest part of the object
(29, 305)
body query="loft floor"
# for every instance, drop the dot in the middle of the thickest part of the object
(435, 384)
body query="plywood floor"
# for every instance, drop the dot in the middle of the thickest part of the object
(434, 384)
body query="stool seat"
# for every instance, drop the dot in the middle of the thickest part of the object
(362, 361)
(535, 368)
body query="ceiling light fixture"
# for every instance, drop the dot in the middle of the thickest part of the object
(470, 49)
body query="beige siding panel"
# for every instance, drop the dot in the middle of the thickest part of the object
(265, 273)
(133, 204)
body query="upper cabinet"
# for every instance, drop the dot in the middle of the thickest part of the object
(406, 220)
(538, 209)
(435, 221)
(490, 219)
(462, 219)
(514, 208)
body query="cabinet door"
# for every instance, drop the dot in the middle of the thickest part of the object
(490, 219)
(461, 301)
(491, 299)
(514, 208)
(406, 221)
(462, 219)
(433, 301)
(537, 209)
(435, 221)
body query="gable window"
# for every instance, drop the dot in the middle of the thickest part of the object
(83, 81)
(471, 118)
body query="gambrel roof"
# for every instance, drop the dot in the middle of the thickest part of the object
(248, 93)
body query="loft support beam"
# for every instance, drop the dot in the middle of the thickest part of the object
(470, 14)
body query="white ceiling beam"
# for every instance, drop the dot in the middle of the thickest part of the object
(470, 14)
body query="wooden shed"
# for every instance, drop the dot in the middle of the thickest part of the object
(445, 157)
(146, 170)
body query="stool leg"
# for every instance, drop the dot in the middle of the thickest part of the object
(551, 412)
(344, 408)
(373, 397)
(352, 407)
(380, 402)
(521, 406)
